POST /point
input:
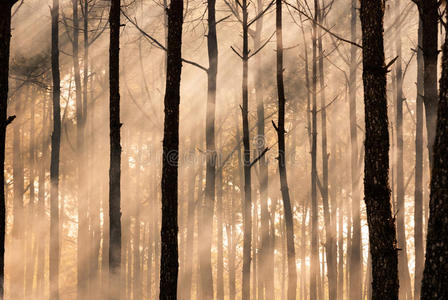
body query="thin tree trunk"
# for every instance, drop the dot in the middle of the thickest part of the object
(356, 246)
(18, 228)
(247, 216)
(55, 149)
(382, 235)
(83, 241)
(41, 204)
(206, 231)
(115, 154)
(287, 207)
(418, 193)
(220, 259)
(330, 241)
(314, 263)
(435, 274)
(169, 259)
(403, 270)
(30, 239)
(188, 278)
(136, 277)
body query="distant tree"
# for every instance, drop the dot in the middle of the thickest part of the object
(382, 235)
(435, 274)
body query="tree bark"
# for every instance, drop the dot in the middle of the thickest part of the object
(55, 151)
(429, 15)
(115, 154)
(382, 235)
(435, 274)
(169, 258)
(287, 207)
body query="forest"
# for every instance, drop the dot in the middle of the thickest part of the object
(224, 149)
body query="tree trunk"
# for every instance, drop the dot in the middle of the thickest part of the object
(330, 241)
(435, 274)
(136, 276)
(220, 258)
(169, 259)
(403, 270)
(355, 269)
(55, 149)
(429, 16)
(115, 154)
(206, 231)
(382, 235)
(287, 207)
(18, 228)
(247, 204)
(418, 193)
(5, 39)
(314, 263)
(83, 241)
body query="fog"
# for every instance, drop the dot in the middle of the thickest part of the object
(84, 177)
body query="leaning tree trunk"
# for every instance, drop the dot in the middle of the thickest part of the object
(55, 149)
(169, 259)
(382, 236)
(287, 208)
(435, 274)
(115, 154)
(209, 203)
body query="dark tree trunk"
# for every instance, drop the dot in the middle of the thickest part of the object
(429, 16)
(115, 153)
(287, 207)
(209, 203)
(55, 149)
(5, 39)
(435, 274)
(418, 192)
(355, 269)
(382, 236)
(169, 259)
